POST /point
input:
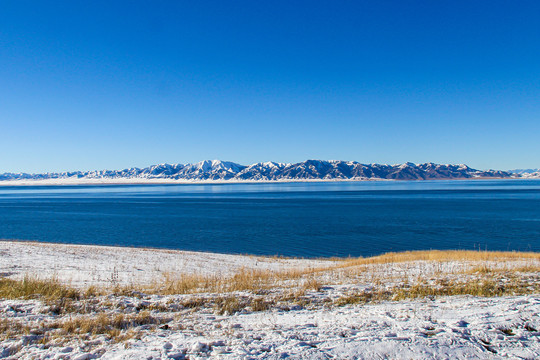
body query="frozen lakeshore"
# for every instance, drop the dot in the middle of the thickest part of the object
(381, 307)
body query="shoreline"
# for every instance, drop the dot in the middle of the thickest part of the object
(157, 249)
(144, 265)
(270, 257)
(137, 181)
(20, 258)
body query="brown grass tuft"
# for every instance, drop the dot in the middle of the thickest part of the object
(442, 255)
(116, 326)
(485, 287)
(30, 288)
(243, 280)
(10, 329)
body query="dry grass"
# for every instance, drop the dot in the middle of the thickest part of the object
(442, 255)
(242, 280)
(11, 329)
(502, 268)
(488, 286)
(483, 287)
(229, 305)
(32, 287)
(312, 283)
(363, 297)
(484, 271)
(112, 325)
(259, 280)
(116, 327)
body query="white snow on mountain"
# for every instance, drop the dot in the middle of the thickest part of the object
(526, 173)
(212, 170)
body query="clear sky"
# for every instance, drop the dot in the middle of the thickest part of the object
(111, 84)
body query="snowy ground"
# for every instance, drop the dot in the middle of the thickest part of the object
(446, 328)
(81, 265)
(300, 322)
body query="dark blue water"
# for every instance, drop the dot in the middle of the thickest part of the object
(292, 219)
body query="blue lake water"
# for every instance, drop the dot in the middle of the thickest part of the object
(292, 219)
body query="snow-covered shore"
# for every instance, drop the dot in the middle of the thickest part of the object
(84, 265)
(309, 317)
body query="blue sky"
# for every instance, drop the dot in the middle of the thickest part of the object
(94, 84)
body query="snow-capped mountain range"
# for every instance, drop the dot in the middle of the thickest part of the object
(272, 171)
(527, 173)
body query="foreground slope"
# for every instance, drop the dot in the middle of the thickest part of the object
(440, 305)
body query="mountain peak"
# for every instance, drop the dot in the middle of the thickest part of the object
(272, 171)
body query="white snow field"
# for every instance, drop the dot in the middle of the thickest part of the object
(448, 328)
(324, 310)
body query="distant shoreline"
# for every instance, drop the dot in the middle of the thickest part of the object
(127, 181)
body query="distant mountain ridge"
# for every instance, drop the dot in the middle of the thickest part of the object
(527, 173)
(272, 171)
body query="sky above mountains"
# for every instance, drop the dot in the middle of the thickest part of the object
(94, 85)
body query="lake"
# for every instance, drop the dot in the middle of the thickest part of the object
(302, 219)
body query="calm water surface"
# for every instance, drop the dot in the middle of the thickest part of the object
(292, 219)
